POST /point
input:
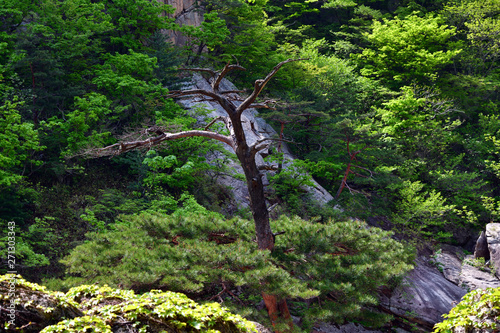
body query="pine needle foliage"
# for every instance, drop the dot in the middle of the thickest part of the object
(336, 267)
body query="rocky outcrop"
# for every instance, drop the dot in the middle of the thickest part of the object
(187, 12)
(481, 250)
(477, 313)
(424, 296)
(34, 308)
(109, 310)
(347, 328)
(493, 239)
(255, 129)
(466, 272)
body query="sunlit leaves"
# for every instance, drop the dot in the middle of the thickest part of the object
(478, 310)
(413, 48)
(18, 140)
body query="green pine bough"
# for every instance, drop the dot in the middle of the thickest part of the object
(330, 271)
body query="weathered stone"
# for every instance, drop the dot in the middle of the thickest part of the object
(186, 12)
(472, 277)
(462, 272)
(179, 5)
(493, 239)
(261, 328)
(424, 296)
(34, 309)
(448, 262)
(347, 328)
(481, 250)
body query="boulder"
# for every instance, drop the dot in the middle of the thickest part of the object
(449, 262)
(347, 328)
(35, 307)
(493, 239)
(481, 250)
(424, 296)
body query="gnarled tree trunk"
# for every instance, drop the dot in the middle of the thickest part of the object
(245, 153)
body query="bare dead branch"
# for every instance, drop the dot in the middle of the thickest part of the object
(228, 68)
(179, 93)
(217, 76)
(267, 167)
(258, 142)
(122, 147)
(213, 122)
(264, 105)
(272, 207)
(232, 92)
(351, 190)
(206, 70)
(366, 169)
(358, 174)
(260, 84)
(256, 148)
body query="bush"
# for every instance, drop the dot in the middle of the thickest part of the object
(478, 311)
(92, 308)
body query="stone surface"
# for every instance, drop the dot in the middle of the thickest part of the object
(481, 250)
(424, 296)
(186, 12)
(261, 328)
(449, 262)
(493, 239)
(31, 306)
(255, 129)
(476, 278)
(459, 269)
(347, 328)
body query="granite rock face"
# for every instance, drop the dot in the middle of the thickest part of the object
(347, 328)
(464, 271)
(481, 250)
(187, 12)
(493, 239)
(424, 296)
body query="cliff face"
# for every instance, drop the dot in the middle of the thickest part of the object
(186, 12)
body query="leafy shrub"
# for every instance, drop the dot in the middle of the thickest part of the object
(92, 308)
(479, 310)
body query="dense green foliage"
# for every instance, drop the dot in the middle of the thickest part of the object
(338, 266)
(92, 308)
(478, 310)
(398, 98)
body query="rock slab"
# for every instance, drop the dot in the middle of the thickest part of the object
(462, 270)
(493, 239)
(424, 296)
